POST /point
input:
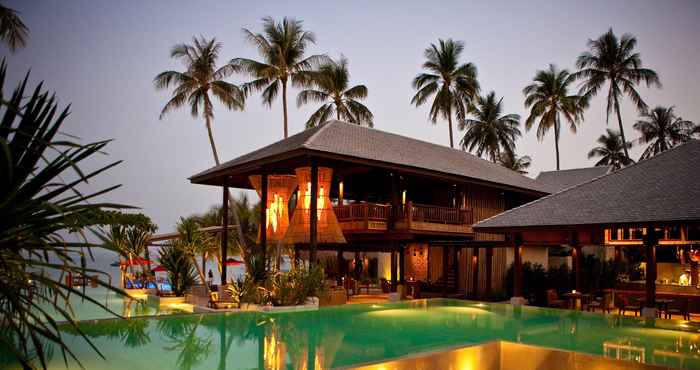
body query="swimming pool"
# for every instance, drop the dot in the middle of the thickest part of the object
(358, 334)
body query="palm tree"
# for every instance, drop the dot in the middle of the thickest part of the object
(663, 130)
(548, 97)
(282, 46)
(330, 84)
(12, 30)
(490, 132)
(512, 161)
(615, 62)
(454, 85)
(194, 85)
(201, 77)
(611, 151)
(194, 243)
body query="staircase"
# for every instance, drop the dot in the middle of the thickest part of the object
(448, 283)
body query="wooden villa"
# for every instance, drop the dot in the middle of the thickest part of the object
(350, 190)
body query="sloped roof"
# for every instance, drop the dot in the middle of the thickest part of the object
(663, 189)
(556, 181)
(353, 141)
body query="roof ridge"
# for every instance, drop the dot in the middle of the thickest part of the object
(576, 169)
(587, 182)
(320, 128)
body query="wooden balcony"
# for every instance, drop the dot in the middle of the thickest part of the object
(372, 217)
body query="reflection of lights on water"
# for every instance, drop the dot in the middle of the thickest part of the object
(482, 305)
(376, 306)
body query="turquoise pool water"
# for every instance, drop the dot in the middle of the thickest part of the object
(356, 334)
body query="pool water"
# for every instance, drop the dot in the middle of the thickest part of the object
(358, 334)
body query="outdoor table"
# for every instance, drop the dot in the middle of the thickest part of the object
(576, 299)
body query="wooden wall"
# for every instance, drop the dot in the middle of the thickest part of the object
(498, 272)
(484, 203)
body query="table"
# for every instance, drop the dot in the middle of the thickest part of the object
(576, 299)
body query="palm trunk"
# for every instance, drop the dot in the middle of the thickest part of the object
(449, 121)
(204, 262)
(284, 105)
(556, 140)
(200, 273)
(232, 205)
(622, 129)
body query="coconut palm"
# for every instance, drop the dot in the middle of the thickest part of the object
(614, 61)
(282, 46)
(193, 87)
(512, 161)
(330, 87)
(662, 130)
(489, 132)
(194, 242)
(453, 85)
(610, 151)
(548, 98)
(12, 30)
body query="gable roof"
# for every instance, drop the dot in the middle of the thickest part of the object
(556, 181)
(663, 189)
(355, 142)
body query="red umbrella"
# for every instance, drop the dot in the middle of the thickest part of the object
(159, 269)
(233, 262)
(135, 261)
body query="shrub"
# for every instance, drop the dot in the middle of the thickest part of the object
(181, 272)
(293, 287)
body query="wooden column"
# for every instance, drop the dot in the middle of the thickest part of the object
(650, 242)
(393, 269)
(313, 215)
(224, 233)
(517, 241)
(402, 264)
(577, 255)
(358, 263)
(475, 272)
(445, 262)
(296, 254)
(618, 254)
(263, 218)
(489, 272)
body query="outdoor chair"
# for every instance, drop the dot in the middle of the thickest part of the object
(216, 303)
(628, 303)
(680, 307)
(554, 301)
(601, 302)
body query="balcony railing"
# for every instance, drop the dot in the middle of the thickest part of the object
(409, 216)
(439, 215)
(363, 211)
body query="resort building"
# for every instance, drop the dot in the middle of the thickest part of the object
(650, 210)
(368, 203)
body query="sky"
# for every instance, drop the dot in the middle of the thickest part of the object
(101, 57)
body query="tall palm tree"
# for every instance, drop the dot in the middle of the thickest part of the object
(330, 87)
(662, 130)
(512, 161)
(453, 85)
(282, 46)
(193, 86)
(614, 61)
(610, 150)
(548, 98)
(12, 30)
(489, 132)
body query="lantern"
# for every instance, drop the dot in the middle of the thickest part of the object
(279, 189)
(327, 229)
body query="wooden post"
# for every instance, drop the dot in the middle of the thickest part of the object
(402, 264)
(224, 233)
(393, 268)
(517, 265)
(357, 264)
(475, 272)
(618, 254)
(577, 255)
(650, 241)
(313, 215)
(263, 218)
(445, 262)
(297, 254)
(341, 266)
(489, 271)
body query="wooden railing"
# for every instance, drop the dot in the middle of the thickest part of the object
(363, 211)
(437, 214)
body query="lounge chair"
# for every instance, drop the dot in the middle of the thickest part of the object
(554, 301)
(216, 303)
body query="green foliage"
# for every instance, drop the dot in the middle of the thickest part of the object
(514, 162)
(181, 271)
(611, 151)
(489, 132)
(41, 204)
(12, 30)
(242, 290)
(293, 287)
(662, 130)
(330, 87)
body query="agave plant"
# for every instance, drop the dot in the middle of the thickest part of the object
(44, 223)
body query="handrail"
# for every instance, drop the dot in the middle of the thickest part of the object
(442, 215)
(363, 211)
(418, 212)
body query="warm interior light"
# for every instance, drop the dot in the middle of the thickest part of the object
(341, 193)
(279, 190)
(403, 197)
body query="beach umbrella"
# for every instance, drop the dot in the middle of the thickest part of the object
(135, 261)
(159, 269)
(233, 262)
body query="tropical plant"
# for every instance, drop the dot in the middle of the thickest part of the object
(193, 86)
(242, 290)
(181, 271)
(12, 30)
(330, 87)
(662, 130)
(293, 287)
(614, 61)
(136, 244)
(490, 132)
(610, 151)
(514, 162)
(282, 46)
(548, 98)
(454, 85)
(45, 220)
(194, 243)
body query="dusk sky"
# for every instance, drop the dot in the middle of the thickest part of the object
(102, 56)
